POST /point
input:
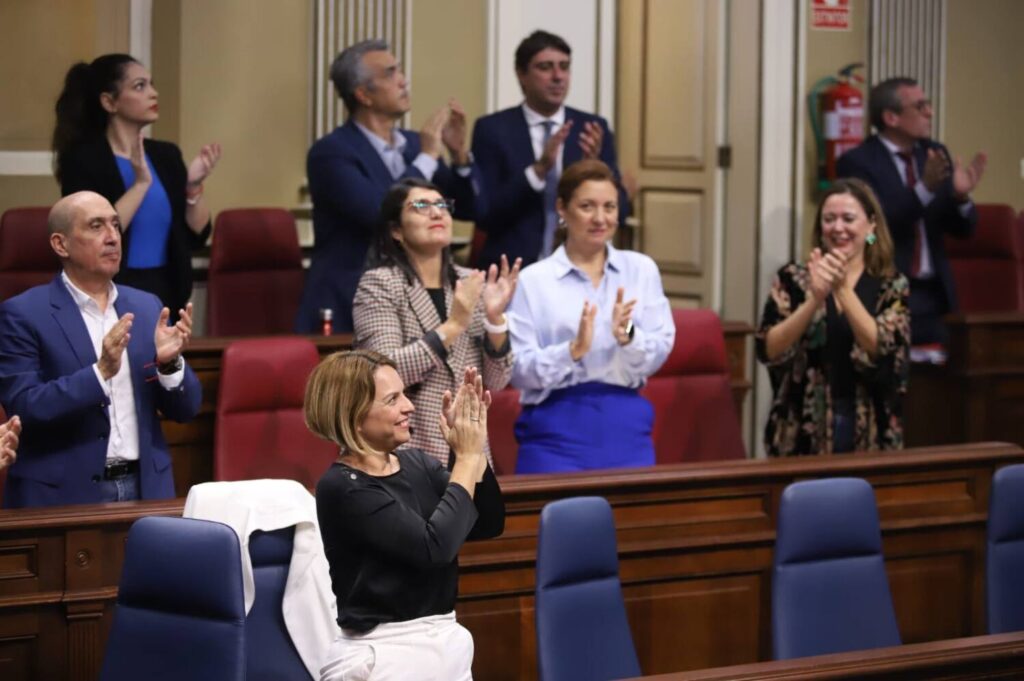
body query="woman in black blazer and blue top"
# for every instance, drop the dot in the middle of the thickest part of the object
(99, 146)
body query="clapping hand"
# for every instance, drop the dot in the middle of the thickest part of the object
(499, 287)
(966, 178)
(551, 148)
(580, 345)
(112, 347)
(169, 340)
(433, 130)
(454, 133)
(203, 164)
(622, 315)
(827, 272)
(467, 292)
(138, 161)
(591, 139)
(9, 433)
(463, 422)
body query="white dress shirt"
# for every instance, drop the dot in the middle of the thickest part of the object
(535, 124)
(124, 422)
(544, 317)
(392, 156)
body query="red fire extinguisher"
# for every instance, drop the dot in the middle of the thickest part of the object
(837, 116)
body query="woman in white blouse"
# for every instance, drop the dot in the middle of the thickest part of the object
(589, 324)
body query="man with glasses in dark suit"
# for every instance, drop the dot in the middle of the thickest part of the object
(925, 194)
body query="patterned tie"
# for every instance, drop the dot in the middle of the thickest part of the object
(550, 191)
(919, 237)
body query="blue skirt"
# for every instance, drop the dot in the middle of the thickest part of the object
(585, 427)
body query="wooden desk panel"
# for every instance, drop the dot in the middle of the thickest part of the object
(695, 548)
(979, 393)
(979, 657)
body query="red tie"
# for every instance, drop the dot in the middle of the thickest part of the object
(915, 259)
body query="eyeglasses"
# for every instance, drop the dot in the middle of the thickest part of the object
(422, 206)
(921, 105)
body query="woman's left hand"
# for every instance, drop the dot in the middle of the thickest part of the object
(499, 287)
(622, 317)
(203, 164)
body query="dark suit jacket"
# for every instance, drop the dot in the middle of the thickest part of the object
(347, 182)
(91, 166)
(511, 211)
(47, 378)
(872, 162)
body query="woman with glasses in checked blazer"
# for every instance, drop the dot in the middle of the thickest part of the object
(432, 317)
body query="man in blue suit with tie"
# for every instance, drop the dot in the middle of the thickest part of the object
(86, 365)
(924, 193)
(350, 170)
(522, 151)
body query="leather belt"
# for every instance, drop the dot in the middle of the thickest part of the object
(117, 469)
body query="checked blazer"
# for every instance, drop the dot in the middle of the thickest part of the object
(392, 316)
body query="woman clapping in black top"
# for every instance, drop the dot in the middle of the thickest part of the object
(393, 522)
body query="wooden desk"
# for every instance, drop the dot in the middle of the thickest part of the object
(695, 548)
(191, 444)
(979, 393)
(978, 657)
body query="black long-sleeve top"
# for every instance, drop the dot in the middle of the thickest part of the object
(392, 542)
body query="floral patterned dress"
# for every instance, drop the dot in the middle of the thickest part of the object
(800, 421)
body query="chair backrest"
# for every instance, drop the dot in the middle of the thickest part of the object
(256, 278)
(260, 431)
(830, 592)
(269, 652)
(1005, 565)
(26, 259)
(180, 609)
(987, 267)
(582, 630)
(694, 413)
(501, 421)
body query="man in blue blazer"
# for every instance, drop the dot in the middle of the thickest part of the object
(86, 366)
(522, 151)
(924, 194)
(350, 170)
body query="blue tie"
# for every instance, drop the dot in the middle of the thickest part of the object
(550, 191)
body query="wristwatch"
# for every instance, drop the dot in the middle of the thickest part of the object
(173, 367)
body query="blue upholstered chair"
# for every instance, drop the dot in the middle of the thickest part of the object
(1005, 570)
(269, 652)
(180, 609)
(582, 631)
(830, 592)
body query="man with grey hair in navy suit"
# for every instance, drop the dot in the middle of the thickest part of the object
(351, 169)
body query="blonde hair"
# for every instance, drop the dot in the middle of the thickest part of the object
(339, 394)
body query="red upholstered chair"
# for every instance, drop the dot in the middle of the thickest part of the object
(260, 431)
(988, 267)
(501, 421)
(256, 275)
(26, 259)
(694, 415)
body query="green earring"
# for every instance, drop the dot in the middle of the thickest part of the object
(871, 239)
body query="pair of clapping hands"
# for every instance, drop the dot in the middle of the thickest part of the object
(495, 286)
(446, 128)
(938, 167)
(169, 340)
(622, 324)
(827, 271)
(464, 422)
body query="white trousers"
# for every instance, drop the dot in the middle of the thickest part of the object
(432, 648)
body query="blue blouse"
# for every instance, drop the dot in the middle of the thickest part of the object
(545, 314)
(151, 226)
